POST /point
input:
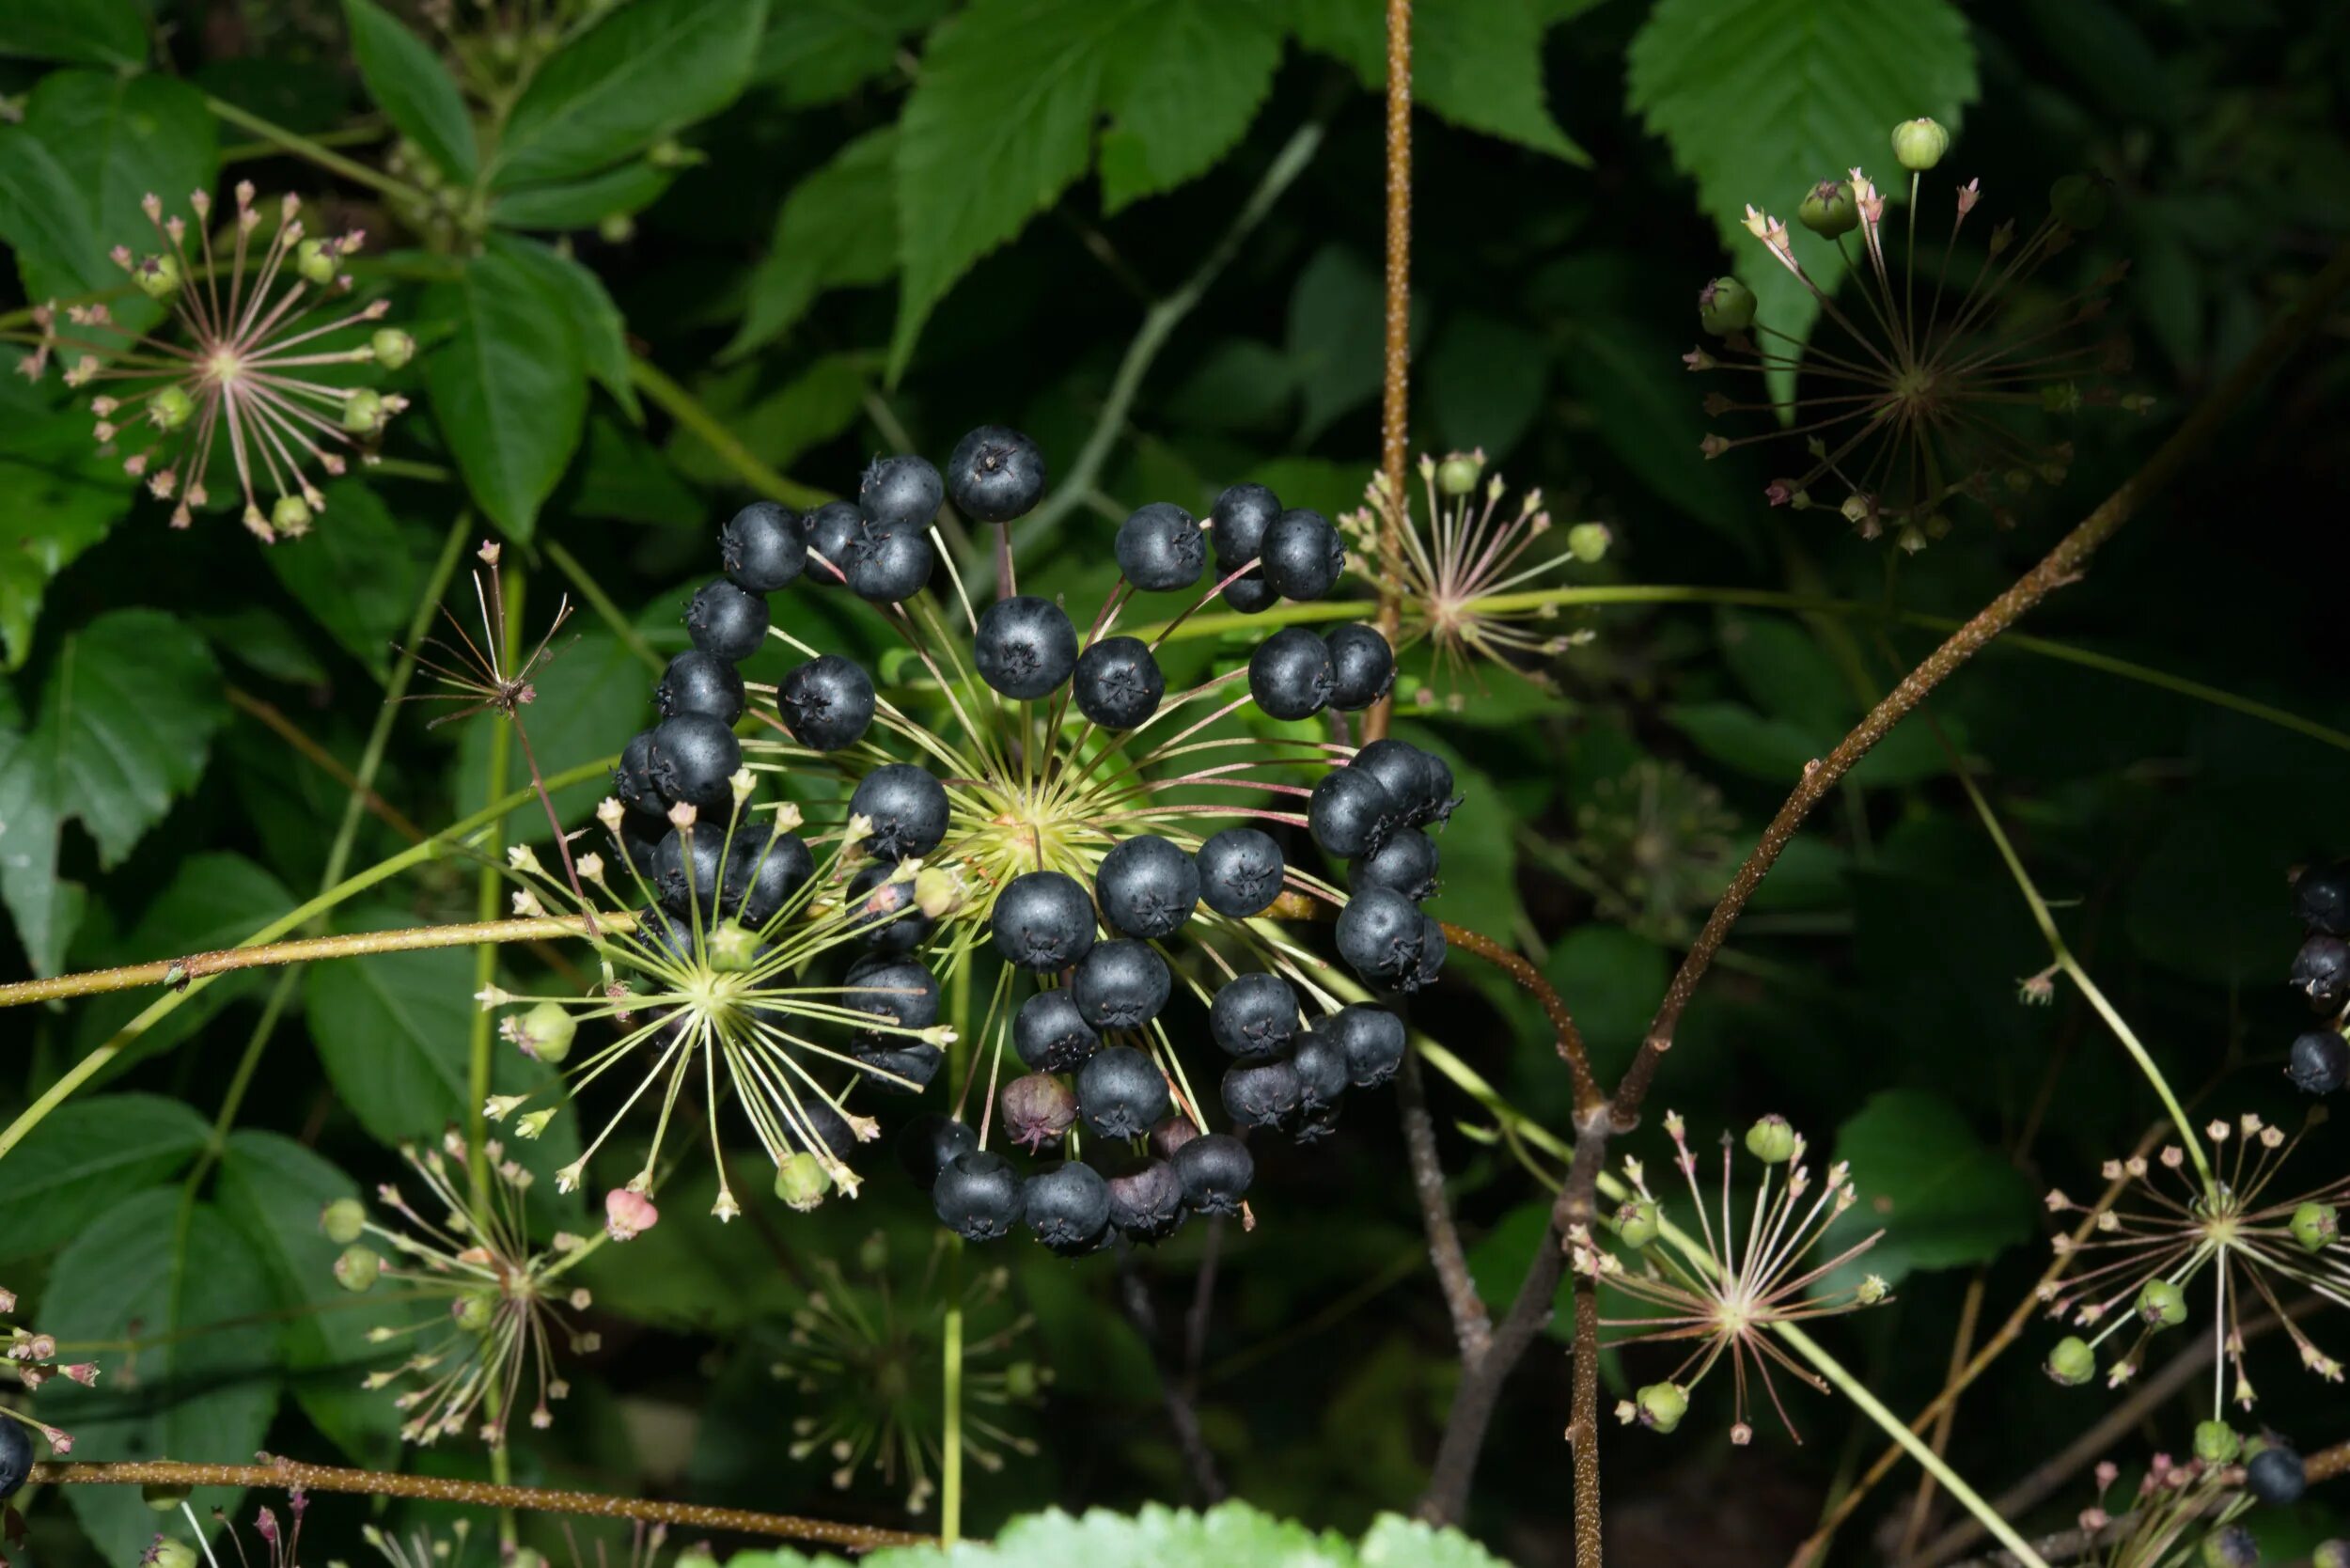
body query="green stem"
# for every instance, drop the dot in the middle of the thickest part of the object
(353, 136)
(601, 601)
(950, 1441)
(681, 406)
(303, 148)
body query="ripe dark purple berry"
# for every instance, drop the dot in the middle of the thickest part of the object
(692, 759)
(1254, 1015)
(1261, 1094)
(1051, 1035)
(826, 704)
(1351, 813)
(1362, 666)
(1161, 548)
(2275, 1476)
(902, 492)
(2318, 1063)
(1147, 1204)
(632, 781)
(763, 548)
(881, 908)
(1432, 955)
(1237, 524)
(889, 568)
(1421, 781)
(1290, 674)
(2321, 970)
(640, 837)
(894, 989)
(685, 871)
(977, 1195)
(1122, 984)
(1148, 886)
(1249, 594)
(1321, 1064)
(1215, 1168)
(832, 533)
(1380, 933)
(1372, 1041)
(1240, 873)
(994, 475)
(899, 1066)
(725, 621)
(1038, 1108)
(1405, 864)
(1121, 1092)
(1068, 1207)
(1119, 682)
(927, 1143)
(906, 806)
(1024, 647)
(16, 1457)
(2321, 897)
(1303, 554)
(1172, 1134)
(699, 682)
(764, 868)
(1043, 921)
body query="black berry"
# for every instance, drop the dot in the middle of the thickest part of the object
(699, 682)
(1038, 1108)
(1405, 864)
(1215, 1168)
(2275, 1476)
(725, 621)
(1250, 595)
(685, 870)
(894, 989)
(1237, 524)
(929, 1144)
(1120, 984)
(977, 1195)
(994, 475)
(1254, 1015)
(1362, 666)
(832, 532)
(1240, 873)
(881, 909)
(640, 837)
(1372, 1041)
(1351, 813)
(1303, 554)
(890, 567)
(1121, 1092)
(1051, 1035)
(1321, 1064)
(1026, 645)
(1147, 1204)
(1421, 781)
(1161, 548)
(899, 1066)
(1119, 682)
(764, 547)
(1068, 1207)
(1312, 1126)
(1380, 934)
(1043, 921)
(2319, 1061)
(826, 704)
(16, 1457)
(764, 868)
(1432, 955)
(1148, 887)
(692, 757)
(2321, 970)
(2321, 897)
(900, 491)
(659, 937)
(632, 781)
(829, 1128)
(906, 806)
(1290, 674)
(1172, 1134)
(1261, 1094)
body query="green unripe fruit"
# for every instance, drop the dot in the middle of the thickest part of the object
(315, 262)
(615, 229)
(392, 346)
(168, 1553)
(170, 407)
(1458, 474)
(158, 276)
(290, 515)
(1662, 1405)
(2161, 1305)
(2079, 201)
(2316, 1226)
(2229, 1547)
(356, 1270)
(1021, 1381)
(801, 1181)
(732, 946)
(1637, 1222)
(2217, 1443)
(1725, 306)
(545, 1031)
(2072, 1363)
(1772, 1140)
(362, 412)
(2331, 1554)
(1919, 143)
(873, 1253)
(343, 1220)
(475, 1310)
(1829, 211)
(1587, 542)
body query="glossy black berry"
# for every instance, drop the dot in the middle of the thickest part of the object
(1351, 813)
(685, 870)
(1435, 807)
(897, 1066)
(1254, 1015)
(832, 532)
(640, 837)
(1119, 682)
(1240, 872)
(1051, 1035)
(699, 682)
(830, 1130)
(1362, 666)
(927, 1143)
(906, 806)
(632, 781)
(1290, 674)
(660, 936)
(2275, 1476)
(764, 547)
(1405, 864)
(1380, 934)
(1068, 1207)
(1432, 956)
(1237, 524)
(1038, 1108)
(1148, 886)
(1122, 984)
(1421, 781)
(902, 492)
(894, 989)
(1147, 1204)
(1372, 1041)
(1321, 1065)
(890, 568)
(764, 868)
(2318, 1063)
(881, 909)
(1250, 593)
(2321, 970)
(1024, 647)
(1121, 1092)
(1215, 1169)
(994, 475)
(692, 758)
(1303, 555)
(1161, 548)
(1261, 1094)
(16, 1457)
(1043, 921)
(725, 621)
(826, 704)
(2321, 897)
(977, 1195)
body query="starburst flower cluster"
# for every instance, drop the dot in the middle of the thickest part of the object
(256, 365)
(1471, 581)
(2174, 1514)
(491, 1305)
(1716, 1294)
(865, 1358)
(1940, 384)
(2174, 1231)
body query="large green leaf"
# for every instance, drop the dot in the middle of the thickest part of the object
(1942, 1197)
(409, 84)
(645, 71)
(1487, 378)
(1759, 99)
(820, 50)
(839, 227)
(215, 899)
(82, 32)
(613, 192)
(1478, 63)
(358, 572)
(1336, 344)
(44, 219)
(509, 387)
(602, 336)
(61, 496)
(1182, 93)
(171, 1278)
(391, 1031)
(86, 1156)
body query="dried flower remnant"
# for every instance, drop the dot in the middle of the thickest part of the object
(2174, 1510)
(281, 1544)
(33, 1357)
(260, 326)
(1724, 1295)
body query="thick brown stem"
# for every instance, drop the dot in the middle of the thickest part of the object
(1472, 1324)
(380, 1483)
(1583, 1428)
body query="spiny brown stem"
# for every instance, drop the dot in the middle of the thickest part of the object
(1570, 1039)
(2061, 565)
(274, 720)
(381, 1484)
(1472, 1324)
(1583, 1428)
(1394, 409)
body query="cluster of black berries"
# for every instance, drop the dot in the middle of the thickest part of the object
(2320, 1060)
(1375, 813)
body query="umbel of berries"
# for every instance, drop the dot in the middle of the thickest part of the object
(2318, 1060)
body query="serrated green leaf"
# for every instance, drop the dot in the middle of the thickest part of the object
(822, 51)
(509, 388)
(644, 71)
(1182, 92)
(61, 495)
(413, 88)
(1942, 1197)
(45, 221)
(837, 228)
(1395, 1542)
(86, 1156)
(358, 572)
(1477, 63)
(80, 32)
(616, 193)
(602, 335)
(1640, 401)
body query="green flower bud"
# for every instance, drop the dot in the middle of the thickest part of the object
(873, 1253)
(158, 276)
(1772, 1140)
(615, 229)
(732, 946)
(363, 412)
(1918, 144)
(315, 262)
(801, 1181)
(343, 1220)
(162, 1496)
(1830, 210)
(1637, 1221)
(290, 515)
(2079, 201)
(2316, 1226)
(1725, 306)
(1022, 1380)
(1458, 474)
(545, 1031)
(475, 1310)
(170, 407)
(2161, 1305)
(356, 1269)
(2331, 1554)
(392, 346)
(1871, 1289)
(2229, 1547)
(1587, 542)
(168, 1553)
(2217, 1443)
(2072, 1363)
(1662, 1405)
